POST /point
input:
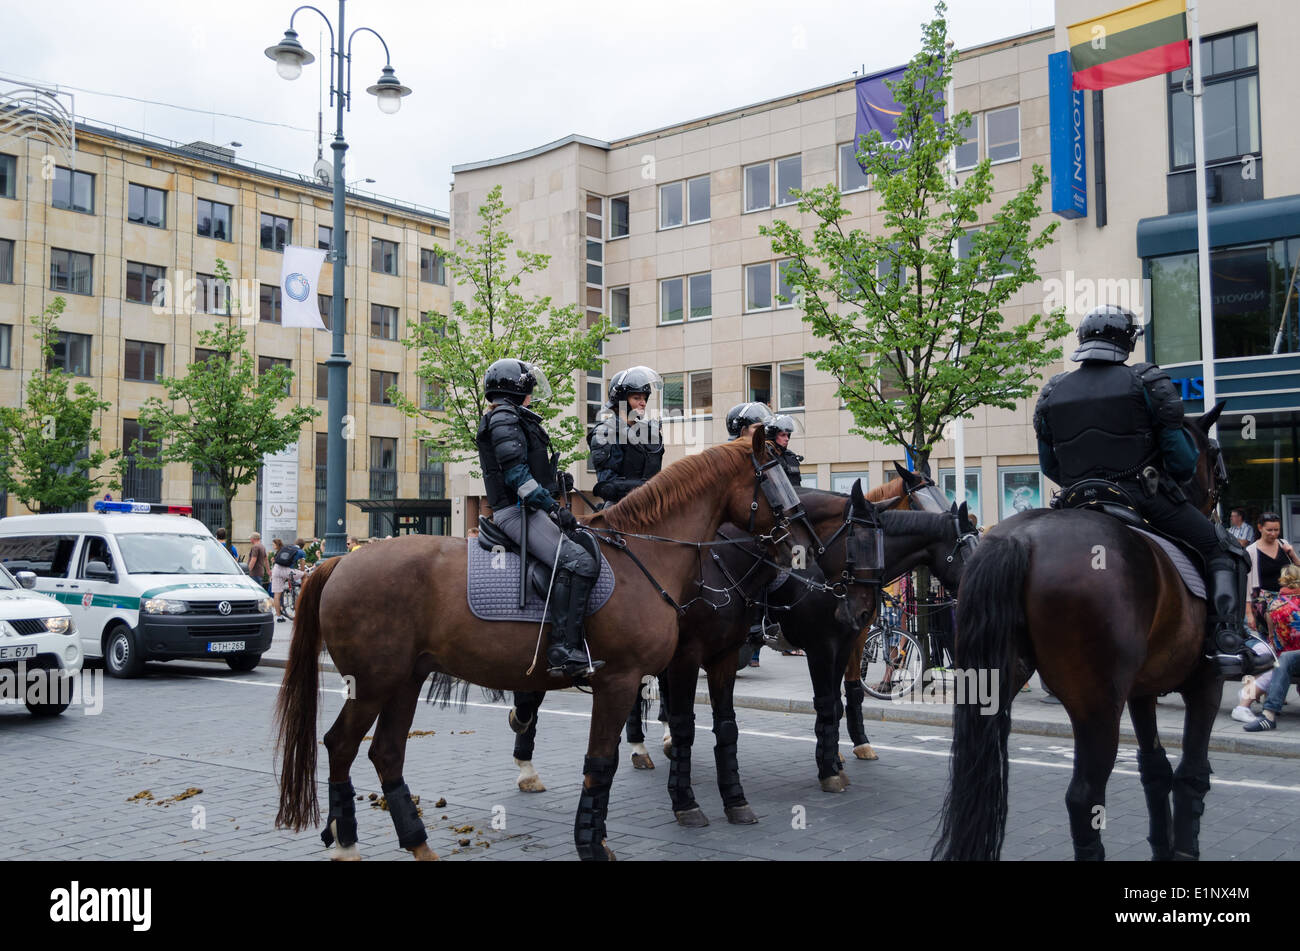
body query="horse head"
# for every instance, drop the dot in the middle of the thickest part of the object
(1211, 476)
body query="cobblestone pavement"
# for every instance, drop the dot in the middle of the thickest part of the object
(79, 786)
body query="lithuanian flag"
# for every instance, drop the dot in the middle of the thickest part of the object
(1143, 40)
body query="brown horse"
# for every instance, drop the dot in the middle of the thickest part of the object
(394, 613)
(1102, 614)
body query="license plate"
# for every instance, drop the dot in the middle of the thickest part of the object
(18, 653)
(221, 647)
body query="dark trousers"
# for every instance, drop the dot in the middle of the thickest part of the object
(1180, 519)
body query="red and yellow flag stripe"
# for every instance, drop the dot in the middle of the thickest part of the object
(1143, 40)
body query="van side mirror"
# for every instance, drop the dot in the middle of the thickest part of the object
(26, 578)
(99, 571)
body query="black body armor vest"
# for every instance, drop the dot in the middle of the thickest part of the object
(1100, 423)
(507, 436)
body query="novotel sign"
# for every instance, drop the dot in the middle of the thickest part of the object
(1069, 147)
(1191, 387)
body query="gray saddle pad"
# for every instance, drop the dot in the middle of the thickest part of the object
(1186, 570)
(492, 587)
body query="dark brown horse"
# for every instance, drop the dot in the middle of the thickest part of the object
(396, 612)
(1103, 616)
(820, 611)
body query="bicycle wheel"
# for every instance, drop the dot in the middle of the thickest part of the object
(289, 600)
(891, 663)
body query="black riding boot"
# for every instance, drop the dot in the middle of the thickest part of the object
(567, 655)
(1225, 642)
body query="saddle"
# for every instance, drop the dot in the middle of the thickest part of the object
(1098, 495)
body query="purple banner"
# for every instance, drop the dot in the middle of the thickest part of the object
(878, 110)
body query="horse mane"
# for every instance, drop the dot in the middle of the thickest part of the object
(885, 491)
(907, 522)
(676, 485)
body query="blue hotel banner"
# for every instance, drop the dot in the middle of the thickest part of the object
(878, 111)
(1069, 145)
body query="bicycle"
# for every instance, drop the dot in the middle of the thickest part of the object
(892, 657)
(289, 597)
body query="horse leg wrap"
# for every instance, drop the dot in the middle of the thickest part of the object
(635, 734)
(589, 826)
(406, 818)
(1189, 789)
(1157, 781)
(524, 741)
(827, 730)
(343, 811)
(724, 754)
(854, 693)
(679, 765)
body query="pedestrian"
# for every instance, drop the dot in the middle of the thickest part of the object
(221, 537)
(1283, 616)
(1240, 529)
(282, 566)
(1268, 556)
(353, 544)
(258, 562)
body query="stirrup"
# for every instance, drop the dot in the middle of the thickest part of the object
(1230, 665)
(574, 663)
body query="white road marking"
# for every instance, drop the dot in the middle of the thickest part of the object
(1020, 761)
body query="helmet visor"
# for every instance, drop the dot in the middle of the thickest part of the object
(638, 380)
(541, 388)
(784, 424)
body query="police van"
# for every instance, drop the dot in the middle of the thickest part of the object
(142, 582)
(36, 633)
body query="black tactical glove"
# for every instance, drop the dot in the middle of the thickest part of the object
(566, 520)
(568, 482)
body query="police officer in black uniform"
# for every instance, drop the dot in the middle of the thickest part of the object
(742, 417)
(521, 482)
(627, 447)
(779, 431)
(1107, 420)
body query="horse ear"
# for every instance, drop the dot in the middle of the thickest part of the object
(1209, 419)
(964, 516)
(953, 510)
(902, 473)
(855, 493)
(759, 442)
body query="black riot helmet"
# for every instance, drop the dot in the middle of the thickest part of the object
(745, 414)
(638, 379)
(1108, 335)
(515, 379)
(780, 424)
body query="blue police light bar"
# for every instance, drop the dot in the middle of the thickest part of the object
(142, 508)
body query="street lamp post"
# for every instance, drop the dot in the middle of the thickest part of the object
(290, 57)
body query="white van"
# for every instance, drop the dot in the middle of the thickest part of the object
(142, 586)
(36, 633)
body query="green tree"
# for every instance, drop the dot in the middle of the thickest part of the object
(222, 416)
(911, 316)
(50, 445)
(455, 350)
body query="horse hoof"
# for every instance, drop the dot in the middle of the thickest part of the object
(668, 746)
(346, 853)
(833, 783)
(741, 815)
(844, 778)
(692, 818)
(864, 751)
(422, 853)
(531, 784)
(1186, 857)
(642, 761)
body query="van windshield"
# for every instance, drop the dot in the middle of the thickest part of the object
(167, 554)
(7, 582)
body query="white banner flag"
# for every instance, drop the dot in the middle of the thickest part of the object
(298, 277)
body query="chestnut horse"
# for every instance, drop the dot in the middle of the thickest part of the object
(393, 613)
(1102, 614)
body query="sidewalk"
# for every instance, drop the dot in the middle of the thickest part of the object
(781, 684)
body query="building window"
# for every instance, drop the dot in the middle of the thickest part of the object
(213, 294)
(758, 286)
(383, 322)
(674, 305)
(431, 396)
(70, 271)
(324, 238)
(968, 153)
(670, 205)
(433, 480)
(322, 382)
(842, 482)
(620, 308)
(6, 346)
(671, 301)
(145, 283)
(693, 390)
(213, 220)
(789, 386)
(1230, 70)
(700, 304)
(1007, 265)
(146, 206)
(852, 177)
(674, 394)
(1020, 488)
(595, 262)
(380, 381)
(73, 190)
(1002, 131)
(789, 179)
(8, 182)
(698, 205)
(276, 232)
(758, 384)
(433, 266)
(138, 483)
(948, 482)
(71, 353)
(383, 482)
(787, 296)
(322, 471)
(265, 363)
(269, 304)
(206, 498)
(618, 217)
(758, 187)
(144, 361)
(6, 261)
(383, 256)
(326, 304)
(701, 385)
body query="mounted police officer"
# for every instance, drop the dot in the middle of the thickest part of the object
(743, 417)
(1124, 424)
(627, 447)
(521, 482)
(779, 431)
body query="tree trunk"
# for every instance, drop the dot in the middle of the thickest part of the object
(228, 498)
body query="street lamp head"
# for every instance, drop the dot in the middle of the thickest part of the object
(289, 56)
(389, 92)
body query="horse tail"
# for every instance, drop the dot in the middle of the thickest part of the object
(295, 708)
(990, 623)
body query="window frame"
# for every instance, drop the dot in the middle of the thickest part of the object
(851, 474)
(438, 267)
(67, 337)
(1174, 87)
(72, 190)
(777, 367)
(213, 205)
(744, 181)
(379, 245)
(10, 177)
(144, 220)
(6, 346)
(269, 362)
(988, 141)
(70, 270)
(322, 381)
(626, 200)
(141, 345)
(668, 280)
(13, 250)
(978, 140)
(853, 153)
(709, 185)
(146, 284)
(277, 305)
(776, 180)
(609, 306)
(395, 321)
(377, 376)
(680, 203)
(275, 221)
(771, 290)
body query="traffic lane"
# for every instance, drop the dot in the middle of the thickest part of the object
(196, 726)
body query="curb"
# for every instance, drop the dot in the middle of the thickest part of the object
(908, 713)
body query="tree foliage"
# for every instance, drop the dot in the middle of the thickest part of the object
(50, 445)
(913, 331)
(454, 350)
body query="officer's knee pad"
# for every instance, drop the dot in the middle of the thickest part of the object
(575, 558)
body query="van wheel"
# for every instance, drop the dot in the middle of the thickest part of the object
(243, 662)
(45, 709)
(121, 654)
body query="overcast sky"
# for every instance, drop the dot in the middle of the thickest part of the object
(490, 77)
